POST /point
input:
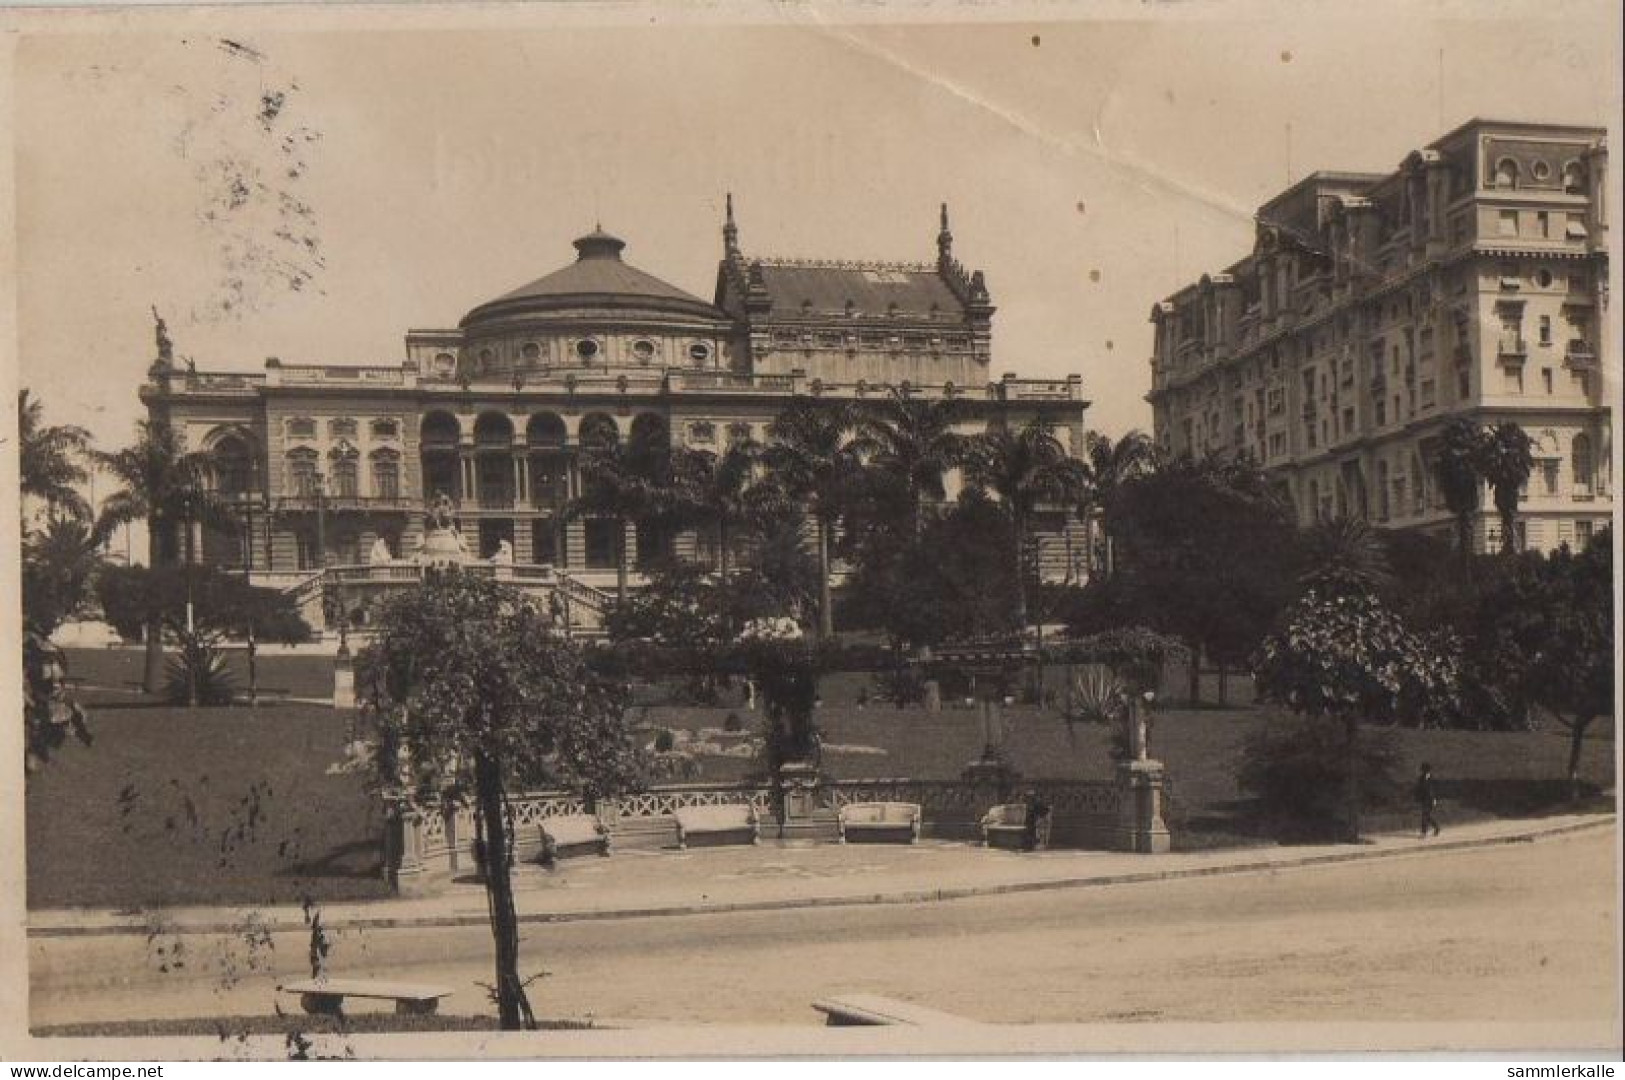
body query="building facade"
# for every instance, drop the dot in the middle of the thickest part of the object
(331, 466)
(1375, 308)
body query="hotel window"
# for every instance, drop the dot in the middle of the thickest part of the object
(1548, 476)
(1508, 225)
(1582, 533)
(1546, 380)
(1543, 224)
(1545, 329)
(1581, 462)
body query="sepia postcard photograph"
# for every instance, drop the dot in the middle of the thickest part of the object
(866, 530)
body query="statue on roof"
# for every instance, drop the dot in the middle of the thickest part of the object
(166, 347)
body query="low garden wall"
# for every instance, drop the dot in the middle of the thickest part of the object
(425, 847)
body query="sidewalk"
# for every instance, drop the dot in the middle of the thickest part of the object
(776, 875)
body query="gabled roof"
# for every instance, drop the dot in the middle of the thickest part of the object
(908, 289)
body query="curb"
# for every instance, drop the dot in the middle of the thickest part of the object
(903, 896)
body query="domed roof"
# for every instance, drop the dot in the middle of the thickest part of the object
(599, 278)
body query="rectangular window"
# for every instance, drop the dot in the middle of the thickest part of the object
(601, 546)
(1543, 225)
(1509, 223)
(1545, 329)
(1582, 533)
(1513, 379)
(1548, 476)
(1382, 412)
(386, 479)
(1546, 379)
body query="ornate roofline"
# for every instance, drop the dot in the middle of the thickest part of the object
(850, 264)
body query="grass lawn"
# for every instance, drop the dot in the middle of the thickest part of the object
(177, 806)
(308, 675)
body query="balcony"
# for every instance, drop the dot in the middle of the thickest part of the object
(1581, 356)
(1513, 346)
(331, 503)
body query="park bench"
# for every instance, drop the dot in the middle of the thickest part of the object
(731, 823)
(574, 834)
(871, 1010)
(325, 997)
(879, 822)
(1005, 826)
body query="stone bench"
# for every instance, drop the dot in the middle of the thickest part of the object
(325, 997)
(879, 822)
(733, 823)
(1005, 826)
(573, 834)
(872, 1010)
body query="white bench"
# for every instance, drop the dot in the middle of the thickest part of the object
(871, 1010)
(879, 822)
(730, 823)
(325, 997)
(1005, 826)
(574, 834)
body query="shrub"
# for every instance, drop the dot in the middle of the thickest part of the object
(1296, 766)
(902, 686)
(201, 665)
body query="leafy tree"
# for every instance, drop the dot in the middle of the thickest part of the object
(912, 442)
(166, 486)
(811, 455)
(1109, 467)
(48, 458)
(1504, 460)
(477, 696)
(1545, 637)
(954, 580)
(1022, 468)
(1455, 467)
(1208, 556)
(223, 603)
(1349, 658)
(616, 484)
(59, 563)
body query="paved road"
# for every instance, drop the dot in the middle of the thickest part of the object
(1509, 933)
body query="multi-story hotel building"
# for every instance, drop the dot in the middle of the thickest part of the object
(1374, 308)
(327, 461)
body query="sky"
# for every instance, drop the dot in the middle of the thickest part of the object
(407, 174)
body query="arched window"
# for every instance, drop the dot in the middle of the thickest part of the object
(1574, 178)
(345, 480)
(493, 431)
(1582, 462)
(386, 474)
(1506, 173)
(232, 467)
(302, 473)
(440, 431)
(545, 430)
(598, 432)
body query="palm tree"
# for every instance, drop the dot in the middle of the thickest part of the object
(166, 486)
(1455, 466)
(1022, 468)
(1345, 556)
(812, 457)
(1107, 467)
(912, 441)
(1504, 461)
(615, 486)
(47, 458)
(59, 563)
(724, 490)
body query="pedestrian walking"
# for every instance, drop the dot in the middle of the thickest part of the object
(1427, 800)
(1037, 811)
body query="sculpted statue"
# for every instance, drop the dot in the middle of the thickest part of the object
(380, 552)
(504, 554)
(166, 348)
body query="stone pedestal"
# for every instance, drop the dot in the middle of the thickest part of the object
(343, 680)
(800, 782)
(933, 696)
(993, 778)
(1140, 825)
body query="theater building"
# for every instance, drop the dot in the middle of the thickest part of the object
(1375, 307)
(331, 465)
